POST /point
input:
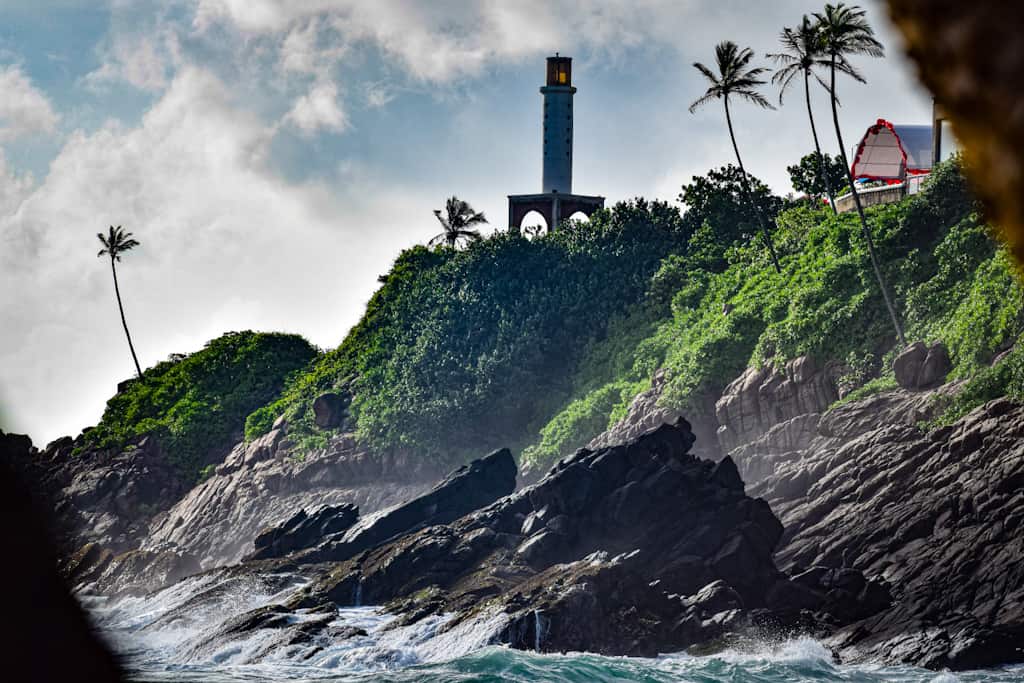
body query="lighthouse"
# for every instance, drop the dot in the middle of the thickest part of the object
(555, 202)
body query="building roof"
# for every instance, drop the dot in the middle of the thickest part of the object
(890, 152)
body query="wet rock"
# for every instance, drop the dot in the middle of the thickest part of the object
(137, 572)
(469, 488)
(606, 553)
(262, 484)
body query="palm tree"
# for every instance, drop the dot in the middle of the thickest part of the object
(457, 218)
(734, 78)
(845, 32)
(802, 51)
(115, 243)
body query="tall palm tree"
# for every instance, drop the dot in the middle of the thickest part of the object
(736, 78)
(845, 32)
(458, 218)
(115, 243)
(802, 51)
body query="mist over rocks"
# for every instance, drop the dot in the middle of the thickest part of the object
(621, 550)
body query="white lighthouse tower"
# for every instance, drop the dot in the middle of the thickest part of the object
(558, 126)
(556, 202)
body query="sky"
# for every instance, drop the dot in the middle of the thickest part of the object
(274, 157)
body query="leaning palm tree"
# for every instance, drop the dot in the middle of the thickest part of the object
(115, 243)
(457, 218)
(802, 51)
(845, 32)
(736, 78)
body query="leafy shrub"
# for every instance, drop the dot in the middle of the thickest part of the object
(196, 404)
(463, 351)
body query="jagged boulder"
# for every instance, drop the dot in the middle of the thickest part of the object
(304, 530)
(612, 551)
(468, 488)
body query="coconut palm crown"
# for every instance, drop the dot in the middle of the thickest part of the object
(458, 218)
(115, 243)
(803, 50)
(736, 78)
(845, 32)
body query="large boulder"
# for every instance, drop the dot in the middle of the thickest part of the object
(921, 367)
(304, 530)
(468, 488)
(608, 552)
(330, 410)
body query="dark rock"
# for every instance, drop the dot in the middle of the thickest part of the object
(671, 523)
(469, 488)
(920, 367)
(304, 531)
(330, 410)
(938, 515)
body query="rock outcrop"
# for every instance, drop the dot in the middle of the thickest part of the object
(101, 496)
(468, 488)
(922, 367)
(304, 530)
(613, 551)
(262, 483)
(938, 515)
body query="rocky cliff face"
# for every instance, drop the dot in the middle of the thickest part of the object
(766, 417)
(262, 483)
(126, 522)
(938, 516)
(635, 549)
(103, 497)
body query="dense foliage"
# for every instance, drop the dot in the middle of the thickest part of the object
(807, 175)
(463, 351)
(952, 284)
(196, 404)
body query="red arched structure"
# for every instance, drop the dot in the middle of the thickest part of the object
(891, 152)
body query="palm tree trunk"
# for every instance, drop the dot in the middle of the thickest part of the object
(746, 190)
(860, 210)
(117, 292)
(817, 146)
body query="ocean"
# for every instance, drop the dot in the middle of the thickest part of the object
(185, 633)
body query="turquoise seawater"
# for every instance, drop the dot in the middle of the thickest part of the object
(184, 633)
(798, 661)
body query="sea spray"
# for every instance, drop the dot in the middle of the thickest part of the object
(169, 636)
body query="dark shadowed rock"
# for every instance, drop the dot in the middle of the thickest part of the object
(330, 410)
(634, 549)
(304, 531)
(938, 516)
(469, 488)
(921, 367)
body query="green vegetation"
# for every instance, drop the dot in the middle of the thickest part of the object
(952, 283)
(463, 351)
(195, 404)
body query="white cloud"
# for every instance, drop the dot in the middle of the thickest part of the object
(225, 244)
(141, 60)
(24, 110)
(318, 110)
